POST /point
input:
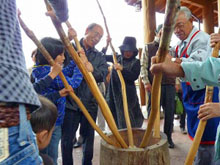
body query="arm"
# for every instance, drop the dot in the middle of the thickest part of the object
(197, 73)
(45, 83)
(42, 84)
(101, 70)
(109, 58)
(204, 73)
(72, 74)
(54, 96)
(104, 49)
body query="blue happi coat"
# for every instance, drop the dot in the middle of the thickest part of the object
(73, 76)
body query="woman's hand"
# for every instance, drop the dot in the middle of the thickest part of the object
(118, 66)
(208, 111)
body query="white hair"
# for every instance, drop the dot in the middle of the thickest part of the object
(186, 11)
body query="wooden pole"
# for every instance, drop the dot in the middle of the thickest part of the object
(156, 133)
(208, 17)
(148, 7)
(172, 8)
(50, 60)
(149, 19)
(149, 34)
(141, 85)
(89, 79)
(208, 98)
(123, 86)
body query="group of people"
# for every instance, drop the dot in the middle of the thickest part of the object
(191, 60)
(69, 114)
(191, 47)
(57, 117)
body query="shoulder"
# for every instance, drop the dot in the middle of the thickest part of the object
(201, 38)
(203, 35)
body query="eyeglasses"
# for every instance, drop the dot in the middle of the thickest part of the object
(96, 34)
(179, 26)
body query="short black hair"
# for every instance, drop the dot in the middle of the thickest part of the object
(53, 46)
(45, 117)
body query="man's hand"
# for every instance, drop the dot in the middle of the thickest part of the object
(209, 110)
(85, 61)
(89, 66)
(55, 70)
(214, 39)
(51, 14)
(167, 67)
(83, 56)
(64, 92)
(71, 33)
(108, 40)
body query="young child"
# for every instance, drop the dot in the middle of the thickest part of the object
(54, 86)
(43, 122)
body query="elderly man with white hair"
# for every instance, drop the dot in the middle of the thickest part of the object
(193, 47)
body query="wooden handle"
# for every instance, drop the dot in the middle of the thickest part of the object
(123, 86)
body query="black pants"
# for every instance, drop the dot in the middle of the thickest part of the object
(70, 125)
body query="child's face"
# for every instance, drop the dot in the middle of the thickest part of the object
(60, 59)
(43, 138)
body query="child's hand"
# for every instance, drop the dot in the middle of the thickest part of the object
(64, 92)
(55, 70)
(208, 111)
